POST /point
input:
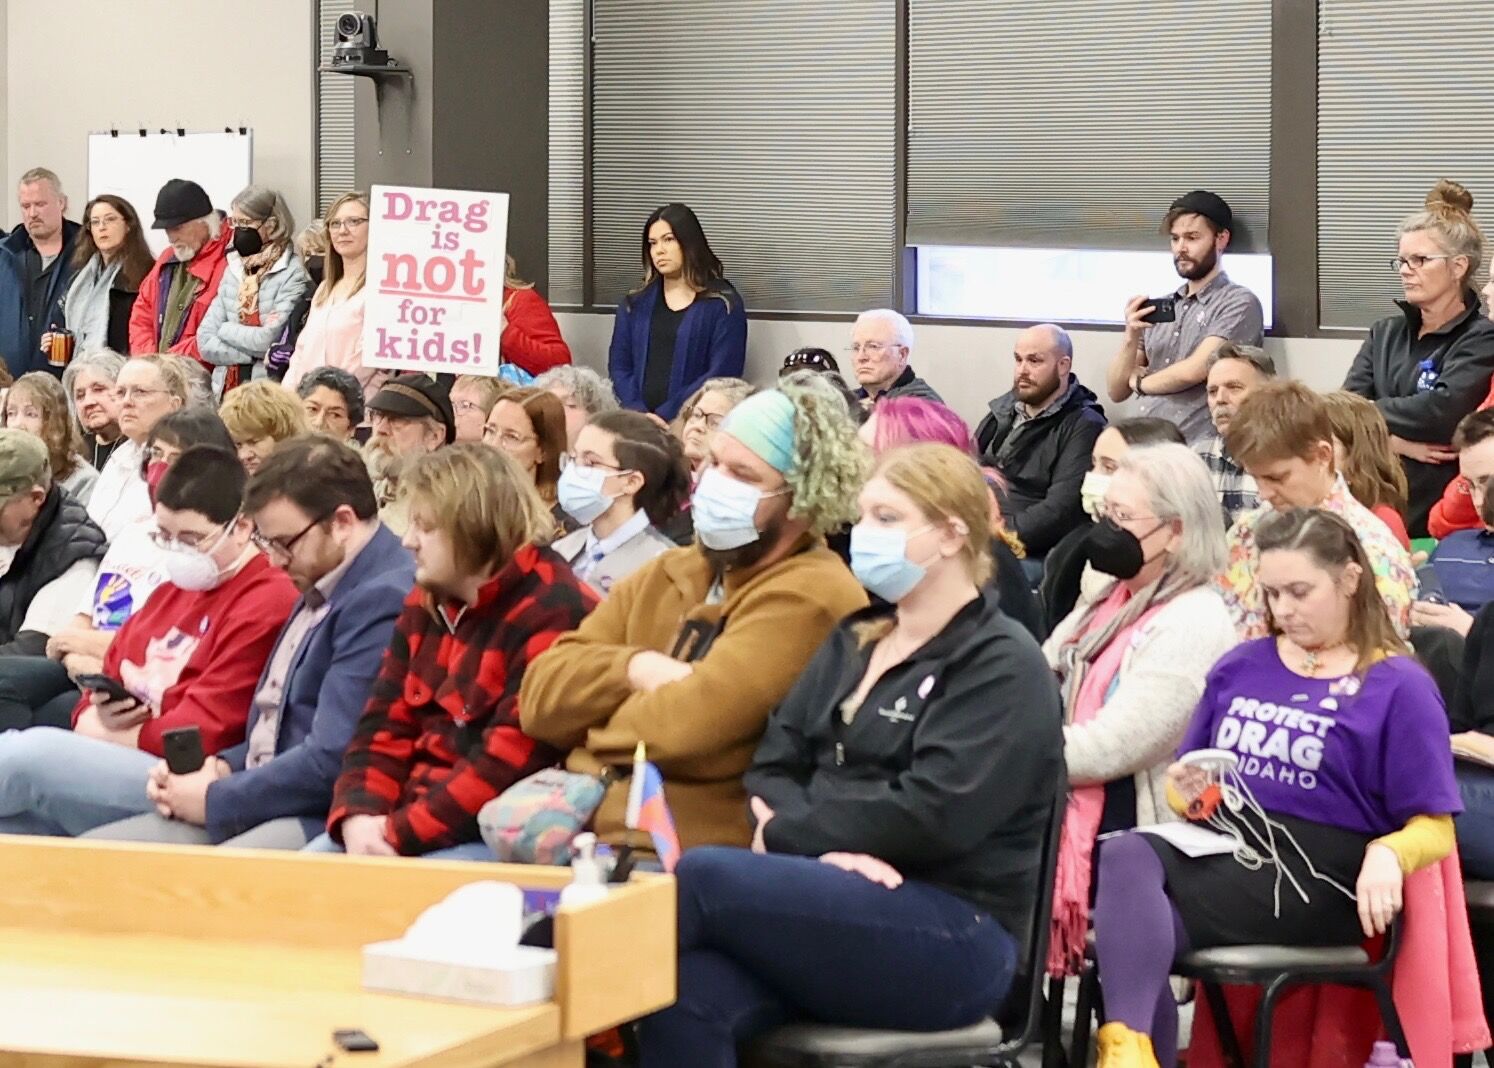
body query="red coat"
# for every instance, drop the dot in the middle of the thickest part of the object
(531, 336)
(1455, 510)
(145, 320)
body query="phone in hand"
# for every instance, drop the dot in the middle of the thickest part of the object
(183, 749)
(1164, 310)
(112, 688)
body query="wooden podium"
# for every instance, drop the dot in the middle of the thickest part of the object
(125, 954)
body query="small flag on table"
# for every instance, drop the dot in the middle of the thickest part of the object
(648, 811)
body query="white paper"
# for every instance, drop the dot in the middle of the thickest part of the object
(1191, 839)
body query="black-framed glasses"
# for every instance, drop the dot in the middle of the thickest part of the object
(285, 546)
(811, 359)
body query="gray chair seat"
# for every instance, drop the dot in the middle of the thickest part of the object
(1271, 958)
(806, 1045)
(1480, 895)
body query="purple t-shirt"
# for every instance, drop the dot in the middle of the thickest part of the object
(1362, 753)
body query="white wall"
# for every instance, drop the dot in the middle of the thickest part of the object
(968, 365)
(73, 67)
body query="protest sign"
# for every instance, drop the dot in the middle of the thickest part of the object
(435, 280)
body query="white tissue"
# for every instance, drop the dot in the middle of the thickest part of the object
(465, 948)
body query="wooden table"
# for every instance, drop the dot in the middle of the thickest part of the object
(123, 954)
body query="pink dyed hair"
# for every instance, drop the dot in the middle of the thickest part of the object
(903, 420)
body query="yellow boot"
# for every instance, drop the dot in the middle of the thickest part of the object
(1121, 1047)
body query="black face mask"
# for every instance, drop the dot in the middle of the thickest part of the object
(246, 241)
(1114, 550)
(314, 267)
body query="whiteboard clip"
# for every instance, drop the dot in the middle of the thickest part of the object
(181, 132)
(113, 132)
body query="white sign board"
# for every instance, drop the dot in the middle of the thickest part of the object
(134, 165)
(435, 280)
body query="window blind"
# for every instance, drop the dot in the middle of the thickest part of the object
(1074, 123)
(773, 119)
(1404, 93)
(567, 149)
(335, 137)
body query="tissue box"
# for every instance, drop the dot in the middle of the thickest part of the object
(519, 975)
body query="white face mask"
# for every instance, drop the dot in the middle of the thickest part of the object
(1092, 492)
(194, 569)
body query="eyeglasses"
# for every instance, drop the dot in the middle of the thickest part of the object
(506, 439)
(711, 420)
(284, 547)
(189, 540)
(346, 224)
(462, 407)
(103, 221)
(1120, 515)
(124, 393)
(872, 348)
(1416, 263)
(809, 358)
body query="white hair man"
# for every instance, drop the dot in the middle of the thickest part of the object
(881, 346)
(180, 289)
(35, 271)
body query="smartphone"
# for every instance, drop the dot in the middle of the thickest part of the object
(352, 1040)
(113, 688)
(1164, 310)
(183, 748)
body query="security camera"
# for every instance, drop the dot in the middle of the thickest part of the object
(355, 43)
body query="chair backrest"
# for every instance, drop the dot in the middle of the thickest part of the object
(1035, 966)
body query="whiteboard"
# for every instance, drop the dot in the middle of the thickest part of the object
(135, 166)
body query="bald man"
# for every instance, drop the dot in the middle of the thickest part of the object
(1039, 436)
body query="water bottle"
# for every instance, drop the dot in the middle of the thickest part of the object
(1384, 1055)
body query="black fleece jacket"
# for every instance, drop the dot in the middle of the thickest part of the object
(947, 771)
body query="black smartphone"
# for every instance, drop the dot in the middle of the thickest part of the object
(352, 1040)
(183, 748)
(1164, 310)
(113, 688)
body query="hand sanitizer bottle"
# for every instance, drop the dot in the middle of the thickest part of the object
(588, 882)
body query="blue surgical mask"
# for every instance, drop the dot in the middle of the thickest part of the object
(879, 560)
(579, 491)
(725, 510)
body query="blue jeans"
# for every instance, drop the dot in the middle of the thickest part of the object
(35, 692)
(56, 782)
(768, 939)
(1476, 824)
(323, 843)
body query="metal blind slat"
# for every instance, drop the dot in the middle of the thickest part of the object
(1403, 100)
(1074, 123)
(567, 149)
(774, 120)
(335, 135)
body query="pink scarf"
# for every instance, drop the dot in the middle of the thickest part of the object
(1081, 822)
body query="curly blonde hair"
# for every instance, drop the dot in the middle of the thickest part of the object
(830, 463)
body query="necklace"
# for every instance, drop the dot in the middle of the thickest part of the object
(1312, 658)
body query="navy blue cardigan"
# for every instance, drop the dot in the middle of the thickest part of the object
(325, 694)
(712, 343)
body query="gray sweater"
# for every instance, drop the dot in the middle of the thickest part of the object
(1161, 680)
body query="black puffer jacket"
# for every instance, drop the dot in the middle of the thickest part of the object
(1387, 369)
(61, 536)
(1044, 461)
(947, 771)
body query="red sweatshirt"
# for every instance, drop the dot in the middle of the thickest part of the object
(1455, 510)
(531, 336)
(196, 657)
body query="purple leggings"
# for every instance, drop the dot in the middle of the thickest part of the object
(1138, 935)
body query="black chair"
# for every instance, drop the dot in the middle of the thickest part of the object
(810, 1045)
(1276, 968)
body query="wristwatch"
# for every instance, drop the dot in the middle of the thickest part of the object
(1140, 378)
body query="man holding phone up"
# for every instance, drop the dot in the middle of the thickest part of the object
(188, 658)
(1164, 360)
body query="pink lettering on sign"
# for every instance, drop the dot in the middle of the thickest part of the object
(436, 271)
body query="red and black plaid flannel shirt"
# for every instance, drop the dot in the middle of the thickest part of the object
(440, 736)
